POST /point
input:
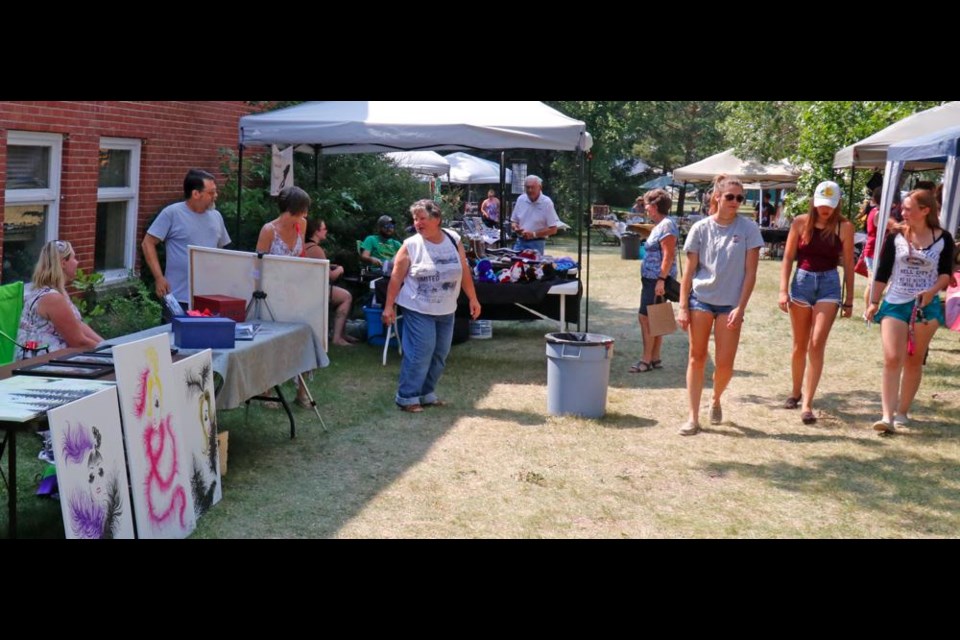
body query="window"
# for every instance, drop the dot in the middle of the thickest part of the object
(31, 214)
(115, 246)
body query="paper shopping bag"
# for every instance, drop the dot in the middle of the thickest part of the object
(661, 318)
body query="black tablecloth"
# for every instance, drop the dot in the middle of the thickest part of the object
(497, 300)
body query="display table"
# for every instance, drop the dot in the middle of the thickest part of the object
(557, 299)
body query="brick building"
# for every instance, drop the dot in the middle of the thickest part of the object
(94, 173)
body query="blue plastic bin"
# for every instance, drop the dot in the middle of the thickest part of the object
(376, 332)
(204, 333)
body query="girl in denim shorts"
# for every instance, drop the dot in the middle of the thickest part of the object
(818, 241)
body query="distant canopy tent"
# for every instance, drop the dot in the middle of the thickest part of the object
(331, 127)
(754, 175)
(468, 169)
(425, 163)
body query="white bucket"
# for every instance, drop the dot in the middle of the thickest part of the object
(481, 329)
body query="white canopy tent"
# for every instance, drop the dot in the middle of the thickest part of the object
(871, 152)
(774, 175)
(383, 126)
(427, 163)
(468, 169)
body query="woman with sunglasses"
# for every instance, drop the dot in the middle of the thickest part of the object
(818, 241)
(723, 251)
(49, 316)
(915, 264)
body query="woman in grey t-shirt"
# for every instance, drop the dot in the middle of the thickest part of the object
(723, 251)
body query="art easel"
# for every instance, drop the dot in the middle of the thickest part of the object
(257, 302)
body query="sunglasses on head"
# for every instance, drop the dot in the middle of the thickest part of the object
(729, 196)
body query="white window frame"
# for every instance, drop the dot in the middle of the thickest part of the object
(49, 196)
(130, 194)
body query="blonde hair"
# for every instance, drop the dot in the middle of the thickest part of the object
(49, 269)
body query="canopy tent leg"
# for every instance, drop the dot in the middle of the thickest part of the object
(581, 212)
(850, 216)
(503, 201)
(236, 238)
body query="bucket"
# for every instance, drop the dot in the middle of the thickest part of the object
(376, 332)
(481, 329)
(578, 373)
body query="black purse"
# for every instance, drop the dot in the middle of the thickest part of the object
(671, 288)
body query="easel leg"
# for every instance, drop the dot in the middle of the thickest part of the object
(313, 403)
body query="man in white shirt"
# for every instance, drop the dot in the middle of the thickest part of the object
(534, 217)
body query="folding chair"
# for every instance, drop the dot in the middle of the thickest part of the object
(11, 306)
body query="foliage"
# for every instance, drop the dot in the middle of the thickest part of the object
(348, 191)
(135, 309)
(808, 134)
(86, 286)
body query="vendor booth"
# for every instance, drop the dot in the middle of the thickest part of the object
(387, 126)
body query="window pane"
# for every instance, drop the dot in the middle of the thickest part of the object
(28, 167)
(111, 231)
(24, 234)
(114, 168)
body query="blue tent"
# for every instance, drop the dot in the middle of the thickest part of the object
(663, 182)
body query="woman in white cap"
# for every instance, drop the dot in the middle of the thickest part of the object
(914, 265)
(818, 241)
(723, 251)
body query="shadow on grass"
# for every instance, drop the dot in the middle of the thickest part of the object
(798, 438)
(626, 421)
(915, 490)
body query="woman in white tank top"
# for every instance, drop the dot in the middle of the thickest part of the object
(428, 273)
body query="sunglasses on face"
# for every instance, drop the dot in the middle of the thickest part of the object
(729, 196)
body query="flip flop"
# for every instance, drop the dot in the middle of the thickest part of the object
(792, 403)
(656, 364)
(641, 367)
(807, 417)
(410, 408)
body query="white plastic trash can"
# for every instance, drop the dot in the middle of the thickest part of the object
(578, 373)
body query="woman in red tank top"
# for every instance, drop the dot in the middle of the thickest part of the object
(818, 241)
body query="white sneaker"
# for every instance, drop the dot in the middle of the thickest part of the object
(900, 421)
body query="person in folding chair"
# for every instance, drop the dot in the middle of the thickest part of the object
(915, 265)
(49, 317)
(429, 271)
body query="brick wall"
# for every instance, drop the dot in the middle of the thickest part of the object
(175, 137)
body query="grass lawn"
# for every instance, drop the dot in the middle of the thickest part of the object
(493, 463)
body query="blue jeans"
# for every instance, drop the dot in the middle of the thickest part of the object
(539, 245)
(426, 342)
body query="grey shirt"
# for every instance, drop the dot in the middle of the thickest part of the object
(722, 252)
(178, 226)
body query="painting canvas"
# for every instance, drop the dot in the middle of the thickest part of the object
(282, 278)
(194, 377)
(151, 408)
(23, 398)
(91, 467)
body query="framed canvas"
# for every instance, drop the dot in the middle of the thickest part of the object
(100, 359)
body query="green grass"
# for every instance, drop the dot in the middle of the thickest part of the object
(494, 464)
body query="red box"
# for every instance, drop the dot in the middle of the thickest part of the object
(223, 306)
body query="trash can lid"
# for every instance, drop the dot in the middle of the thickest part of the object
(579, 338)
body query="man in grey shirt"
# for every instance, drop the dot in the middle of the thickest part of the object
(193, 221)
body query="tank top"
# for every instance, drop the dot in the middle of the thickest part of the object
(432, 284)
(280, 248)
(819, 254)
(35, 327)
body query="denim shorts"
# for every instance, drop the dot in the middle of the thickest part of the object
(715, 309)
(902, 311)
(810, 287)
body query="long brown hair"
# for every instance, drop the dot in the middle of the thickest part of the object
(830, 229)
(926, 198)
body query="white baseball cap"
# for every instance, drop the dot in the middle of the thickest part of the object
(827, 193)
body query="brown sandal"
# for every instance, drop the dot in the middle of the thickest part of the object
(793, 403)
(641, 367)
(435, 403)
(410, 408)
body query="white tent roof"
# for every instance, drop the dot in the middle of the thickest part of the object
(773, 175)
(872, 151)
(426, 162)
(468, 169)
(382, 126)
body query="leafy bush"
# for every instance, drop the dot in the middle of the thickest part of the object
(131, 308)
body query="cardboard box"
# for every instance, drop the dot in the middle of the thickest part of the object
(204, 333)
(223, 306)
